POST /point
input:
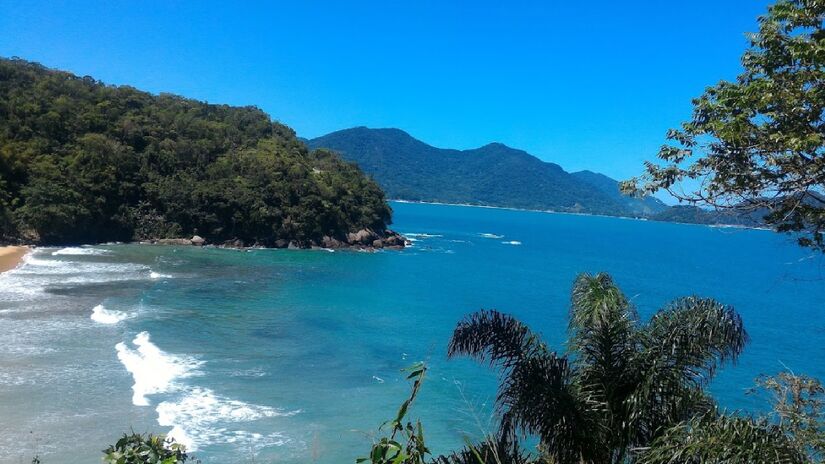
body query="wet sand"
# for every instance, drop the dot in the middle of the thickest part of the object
(10, 256)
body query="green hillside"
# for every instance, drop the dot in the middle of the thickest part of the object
(646, 206)
(81, 161)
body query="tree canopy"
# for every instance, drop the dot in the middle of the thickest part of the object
(81, 161)
(756, 144)
(622, 383)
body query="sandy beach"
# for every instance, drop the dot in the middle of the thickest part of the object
(10, 256)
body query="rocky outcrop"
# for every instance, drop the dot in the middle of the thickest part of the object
(366, 239)
(173, 241)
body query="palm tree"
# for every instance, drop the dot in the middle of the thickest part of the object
(621, 383)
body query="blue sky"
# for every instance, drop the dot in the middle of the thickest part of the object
(586, 84)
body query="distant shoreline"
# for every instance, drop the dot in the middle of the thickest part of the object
(11, 257)
(550, 211)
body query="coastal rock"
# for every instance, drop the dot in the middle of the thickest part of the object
(394, 240)
(174, 241)
(236, 243)
(197, 240)
(293, 245)
(330, 242)
(363, 237)
(368, 238)
(281, 243)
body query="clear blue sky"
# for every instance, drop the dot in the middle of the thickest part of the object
(586, 84)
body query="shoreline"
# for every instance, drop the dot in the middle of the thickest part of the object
(550, 211)
(11, 257)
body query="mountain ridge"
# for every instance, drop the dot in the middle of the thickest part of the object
(491, 175)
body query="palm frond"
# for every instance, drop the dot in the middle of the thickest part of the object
(722, 439)
(490, 451)
(604, 340)
(539, 398)
(496, 338)
(694, 335)
(534, 394)
(595, 300)
(682, 347)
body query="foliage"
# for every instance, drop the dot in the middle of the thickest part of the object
(620, 386)
(799, 409)
(405, 444)
(723, 439)
(81, 161)
(490, 451)
(757, 143)
(793, 433)
(148, 449)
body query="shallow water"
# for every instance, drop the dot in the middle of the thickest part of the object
(294, 356)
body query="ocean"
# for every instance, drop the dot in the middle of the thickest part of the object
(294, 356)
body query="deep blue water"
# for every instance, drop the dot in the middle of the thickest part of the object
(294, 356)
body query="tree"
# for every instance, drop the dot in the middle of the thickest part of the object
(718, 439)
(756, 144)
(793, 433)
(620, 386)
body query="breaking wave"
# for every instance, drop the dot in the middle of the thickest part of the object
(153, 370)
(102, 315)
(201, 417)
(79, 251)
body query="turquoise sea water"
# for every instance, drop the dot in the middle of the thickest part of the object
(294, 356)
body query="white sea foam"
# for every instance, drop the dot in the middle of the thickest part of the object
(102, 315)
(157, 275)
(201, 417)
(495, 236)
(78, 251)
(415, 236)
(512, 242)
(30, 260)
(153, 370)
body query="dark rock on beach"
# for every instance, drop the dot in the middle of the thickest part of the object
(366, 239)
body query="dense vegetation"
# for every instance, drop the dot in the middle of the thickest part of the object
(758, 144)
(81, 161)
(493, 175)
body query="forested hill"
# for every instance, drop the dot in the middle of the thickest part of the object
(646, 206)
(494, 175)
(81, 161)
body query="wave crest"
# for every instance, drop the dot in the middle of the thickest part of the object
(153, 370)
(101, 315)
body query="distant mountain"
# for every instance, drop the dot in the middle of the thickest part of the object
(646, 206)
(493, 175)
(694, 215)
